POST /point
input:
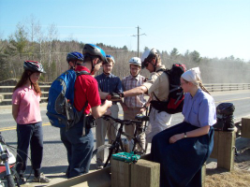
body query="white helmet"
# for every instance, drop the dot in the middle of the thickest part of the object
(148, 54)
(135, 61)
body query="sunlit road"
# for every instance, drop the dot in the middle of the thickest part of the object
(54, 160)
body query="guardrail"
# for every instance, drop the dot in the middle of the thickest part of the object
(6, 91)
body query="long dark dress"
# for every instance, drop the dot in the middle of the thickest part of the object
(181, 161)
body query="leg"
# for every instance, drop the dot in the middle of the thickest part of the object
(24, 133)
(36, 146)
(100, 139)
(157, 123)
(129, 129)
(67, 145)
(82, 149)
(112, 126)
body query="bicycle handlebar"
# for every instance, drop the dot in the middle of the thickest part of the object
(140, 119)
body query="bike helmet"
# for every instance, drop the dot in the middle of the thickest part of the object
(110, 57)
(74, 56)
(94, 50)
(33, 66)
(135, 61)
(147, 55)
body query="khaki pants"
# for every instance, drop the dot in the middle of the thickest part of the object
(130, 129)
(104, 128)
(157, 123)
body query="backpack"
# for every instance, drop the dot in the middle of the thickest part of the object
(175, 100)
(225, 118)
(60, 109)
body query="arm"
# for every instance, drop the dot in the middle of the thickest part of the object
(103, 95)
(15, 111)
(136, 91)
(191, 134)
(98, 111)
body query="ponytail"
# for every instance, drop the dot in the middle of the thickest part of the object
(203, 88)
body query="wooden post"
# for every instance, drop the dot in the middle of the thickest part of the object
(145, 174)
(224, 149)
(245, 129)
(120, 174)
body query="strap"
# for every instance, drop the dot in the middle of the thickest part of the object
(159, 70)
(156, 97)
(78, 73)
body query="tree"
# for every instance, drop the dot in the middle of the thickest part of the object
(195, 56)
(19, 40)
(174, 53)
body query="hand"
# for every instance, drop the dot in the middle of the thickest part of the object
(175, 138)
(108, 103)
(108, 112)
(113, 96)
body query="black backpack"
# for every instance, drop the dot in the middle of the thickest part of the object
(225, 118)
(175, 100)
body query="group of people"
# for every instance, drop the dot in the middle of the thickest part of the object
(181, 150)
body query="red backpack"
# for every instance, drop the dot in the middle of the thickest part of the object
(175, 100)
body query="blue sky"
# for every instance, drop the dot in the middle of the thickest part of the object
(215, 28)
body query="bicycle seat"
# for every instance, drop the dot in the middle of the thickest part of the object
(141, 117)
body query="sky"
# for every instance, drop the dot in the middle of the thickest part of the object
(214, 28)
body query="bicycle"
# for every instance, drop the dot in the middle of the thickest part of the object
(117, 145)
(7, 162)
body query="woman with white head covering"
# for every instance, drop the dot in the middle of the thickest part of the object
(182, 150)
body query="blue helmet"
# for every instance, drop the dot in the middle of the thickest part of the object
(74, 56)
(110, 57)
(94, 50)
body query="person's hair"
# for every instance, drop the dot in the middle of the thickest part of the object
(89, 58)
(109, 60)
(157, 57)
(24, 79)
(198, 82)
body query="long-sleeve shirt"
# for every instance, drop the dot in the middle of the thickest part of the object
(129, 83)
(109, 83)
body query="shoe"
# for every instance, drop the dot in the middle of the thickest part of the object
(21, 180)
(99, 164)
(41, 179)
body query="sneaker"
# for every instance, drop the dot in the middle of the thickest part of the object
(41, 179)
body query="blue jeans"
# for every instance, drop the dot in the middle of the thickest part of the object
(29, 134)
(67, 145)
(81, 149)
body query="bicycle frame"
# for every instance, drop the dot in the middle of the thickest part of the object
(114, 148)
(5, 158)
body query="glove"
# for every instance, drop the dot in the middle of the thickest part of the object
(113, 96)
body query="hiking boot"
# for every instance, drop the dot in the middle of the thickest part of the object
(41, 179)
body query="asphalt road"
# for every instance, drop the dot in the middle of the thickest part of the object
(54, 160)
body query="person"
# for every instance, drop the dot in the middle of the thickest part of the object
(72, 58)
(134, 105)
(86, 97)
(155, 86)
(108, 84)
(26, 113)
(182, 150)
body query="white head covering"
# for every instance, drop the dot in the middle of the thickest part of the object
(192, 75)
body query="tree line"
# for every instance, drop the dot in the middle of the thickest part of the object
(33, 44)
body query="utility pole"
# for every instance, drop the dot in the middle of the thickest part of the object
(138, 40)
